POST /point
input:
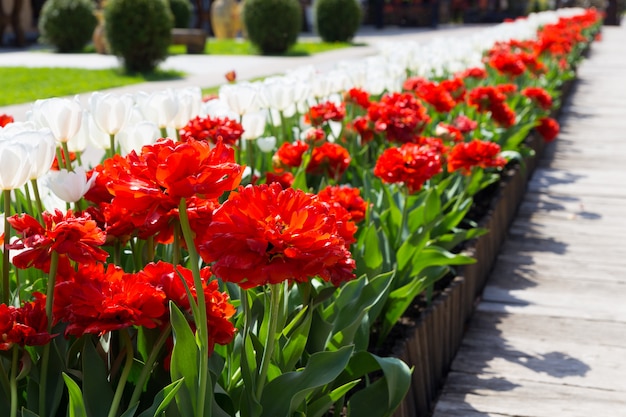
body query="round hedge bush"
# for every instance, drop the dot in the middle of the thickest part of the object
(68, 25)
(139, 32)
(337, 20)
(272, 25)
(181, 9)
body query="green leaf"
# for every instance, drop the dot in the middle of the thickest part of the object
(184, 362)
(162, 399)
(291, 351)
(432, 206)
(513, 142)
(283, 395)
(130, 412)
(450, 240)
(322, 404)
(411, 247)
(28, 413)
(382, 397)
(76, 406)
(453, 218)
(97, 391)
(370, 247)
(436, 256)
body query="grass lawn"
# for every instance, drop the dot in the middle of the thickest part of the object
(243, 47)
(25, 84)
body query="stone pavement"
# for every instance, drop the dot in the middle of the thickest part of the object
(209, 70)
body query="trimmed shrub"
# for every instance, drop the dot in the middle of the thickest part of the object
(139, 31)
(337, 20)
(272, 25)
(181, 9)
(68, 25)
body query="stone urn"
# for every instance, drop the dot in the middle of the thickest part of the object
(225, 18)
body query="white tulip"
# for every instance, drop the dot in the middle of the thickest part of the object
(279, 92)
(134, 137)
(111, 111)
(241, 98)
(266, 144)
(15, 161)
(159, 107)
(253, 124)
(70, 186)
(42, 150)
(189, 104)
(61, 115)
(88, 134)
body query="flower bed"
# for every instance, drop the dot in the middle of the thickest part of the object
(250, 254)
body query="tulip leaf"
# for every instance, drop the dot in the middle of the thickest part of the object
(513, 141)
(436, 256)
(400, 299)
(97, 392)
(292, 349)
(369, 253)
(432, 206)
(286, 393)
(162, 399)
(76, 407)
(411, 247)
(321, 405)
(130, 412)
(450, 240)
(184, 362)
(27, 413)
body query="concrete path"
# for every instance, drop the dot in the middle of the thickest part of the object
(209, 70)
(549, 337)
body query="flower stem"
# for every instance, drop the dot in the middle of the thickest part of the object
(405, 211)
(119, 391)
(45, 356)
(5, 253)
(147, 367)
(201, 321)
(68, 161)
(14, 366)
(111, 150)
(275, 295)
(38, 202)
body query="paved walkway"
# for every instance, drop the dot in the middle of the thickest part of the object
(549, 337)
(209, 70)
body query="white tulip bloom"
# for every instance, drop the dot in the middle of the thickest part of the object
(70, 186)
(241, 98)
(253, 124)
(15, 161)
(266, 144)
(134, 137)
(189, 104)
(111, 111)
(62, 116)
(159, 107)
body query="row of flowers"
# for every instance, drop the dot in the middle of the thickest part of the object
(243, 255)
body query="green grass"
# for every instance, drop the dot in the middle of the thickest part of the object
(25, 84)
(244, 47)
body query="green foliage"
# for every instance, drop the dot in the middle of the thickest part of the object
(139, 31)
(337, 20)
(68, 25)
(272, 25)
(181, 9)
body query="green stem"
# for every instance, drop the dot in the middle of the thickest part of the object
(14, 367)
(111, 150)
(38, 201)
(45, 356)
(148, 366)
(176, 245)
(68, 161)
(405, 211)
(5, 253)
(163, 132)
(201, 321)
(4, 380)
(275, 296)
(149, 249)
(121, 384)
(250, 154)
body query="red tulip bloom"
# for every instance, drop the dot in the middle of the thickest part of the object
(212, 129)
(548, 128)
(289, 155)
(96, 300)
(323, 112)
(77, 237)
(285, 179)
(411, 165)
(347, 197)
(5, 119)
(358, 96)
(266, 235)
(437, 95)
(329, 159)
(400, 115)
(539, 96)
(464, 156)
(219, 311)
(464, 124)
(26, 325)
(474, 72)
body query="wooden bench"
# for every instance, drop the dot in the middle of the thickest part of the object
(194, 39)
